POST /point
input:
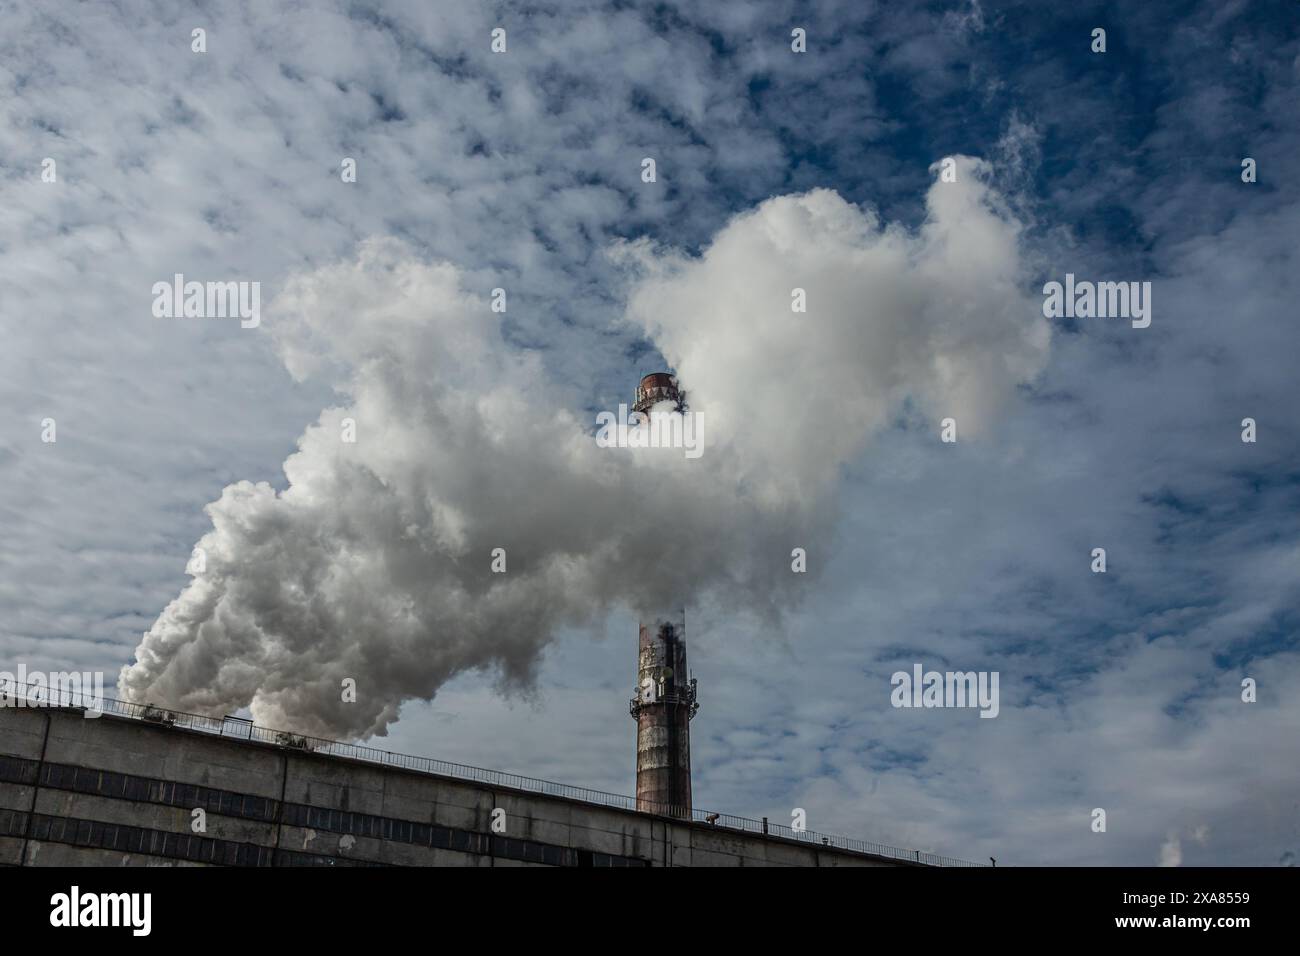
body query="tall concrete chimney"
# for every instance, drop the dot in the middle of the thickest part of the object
(665, 693)
(663, 708)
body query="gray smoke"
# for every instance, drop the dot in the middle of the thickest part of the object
(375, 563)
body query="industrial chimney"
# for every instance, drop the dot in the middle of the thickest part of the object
(665, 694)
(655, 388)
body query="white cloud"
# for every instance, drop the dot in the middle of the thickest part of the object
(374, 563)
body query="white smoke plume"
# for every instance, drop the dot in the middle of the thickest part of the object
(375, 562)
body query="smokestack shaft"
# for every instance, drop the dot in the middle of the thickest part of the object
(663, 708)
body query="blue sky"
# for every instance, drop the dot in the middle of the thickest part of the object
(522, 170)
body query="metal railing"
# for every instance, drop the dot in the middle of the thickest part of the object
(28, 695)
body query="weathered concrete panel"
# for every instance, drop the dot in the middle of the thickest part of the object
(721, 841)
(838, 858)
(322, 782)
(21, 731)
(61, 854)
(152, 816)
(701, 857)
(427, 799)
(15, 796)
(619, 832)
(11, 850)
(132, 746)
(777, 853)
(390, 852)
(536, 818)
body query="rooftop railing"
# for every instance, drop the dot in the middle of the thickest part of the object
(36, 696)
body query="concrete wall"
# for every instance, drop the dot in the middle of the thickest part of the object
(142, 749)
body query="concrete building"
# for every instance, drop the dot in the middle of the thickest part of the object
(129, 788)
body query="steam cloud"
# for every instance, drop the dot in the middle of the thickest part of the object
(374, 563)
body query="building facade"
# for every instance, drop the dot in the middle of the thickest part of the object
(146, 790)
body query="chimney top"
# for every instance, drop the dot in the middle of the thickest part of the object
(655, 388)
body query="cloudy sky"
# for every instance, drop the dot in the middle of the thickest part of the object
(774, 170)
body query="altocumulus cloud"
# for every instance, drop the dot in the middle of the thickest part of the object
(374, 563)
